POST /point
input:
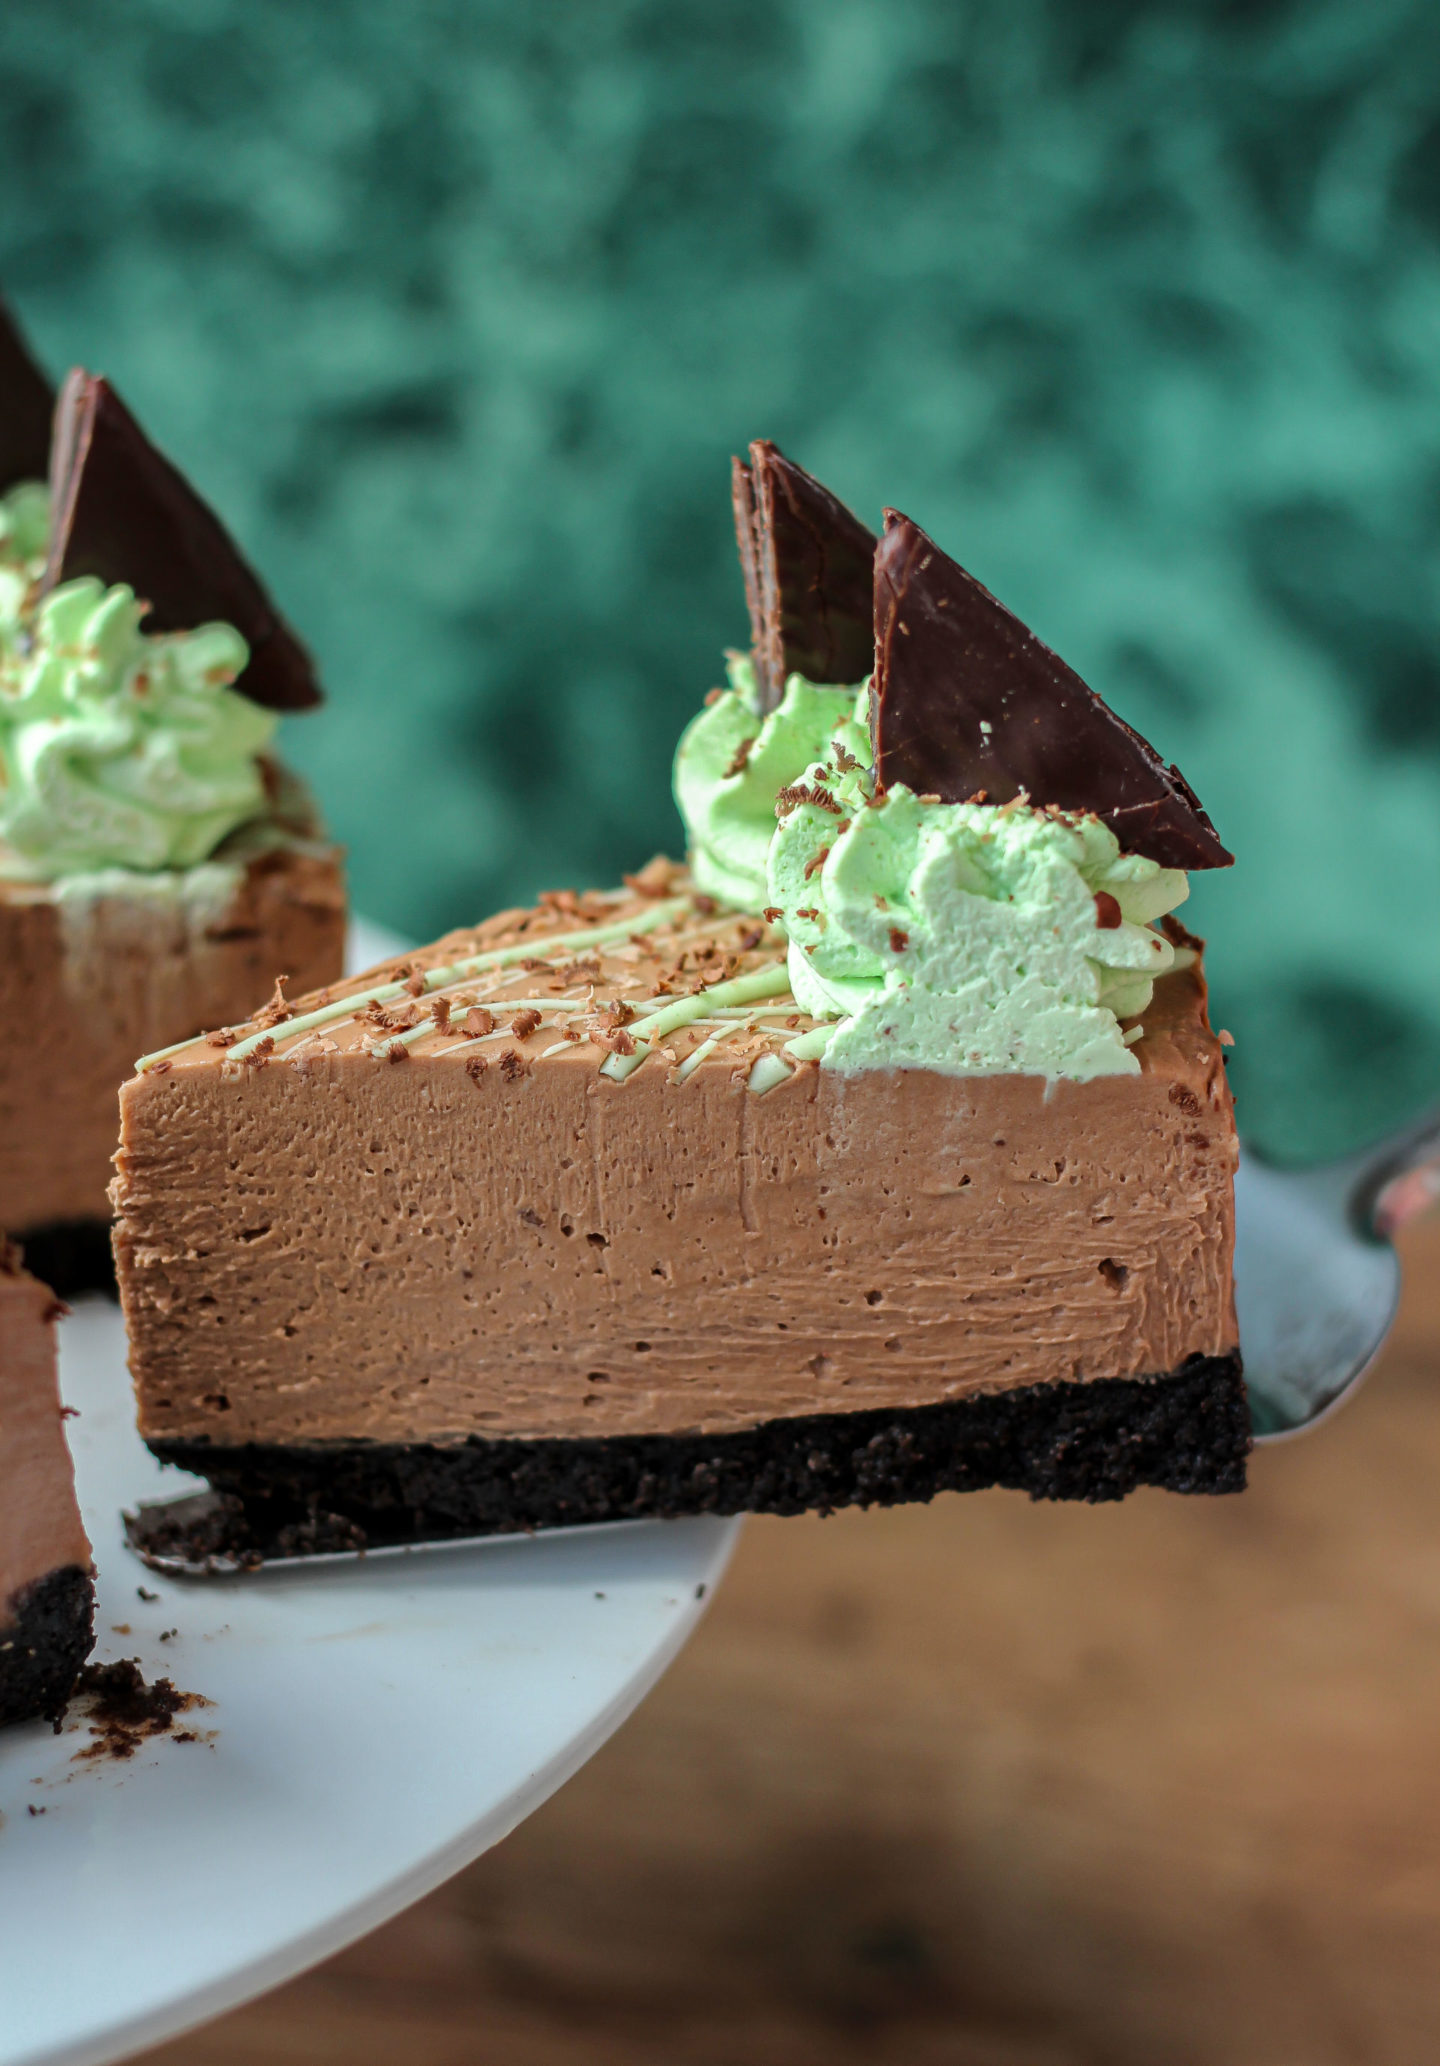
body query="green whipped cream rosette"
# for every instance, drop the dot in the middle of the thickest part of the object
(970, 939)
(730, 766)
(24, 538)
(966, 938)
(116, 749)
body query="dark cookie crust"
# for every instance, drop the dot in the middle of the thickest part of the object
(1188, 1432)
(72, 1257)
(46, 1633)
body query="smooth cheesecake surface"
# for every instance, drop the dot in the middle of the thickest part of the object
(377, 1228)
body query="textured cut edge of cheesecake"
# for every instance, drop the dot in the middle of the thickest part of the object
(318, 1247)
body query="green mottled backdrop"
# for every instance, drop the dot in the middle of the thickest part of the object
(457, 309)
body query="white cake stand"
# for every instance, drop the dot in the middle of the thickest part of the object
(373, 1727)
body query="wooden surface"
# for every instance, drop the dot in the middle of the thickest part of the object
(990, 1784)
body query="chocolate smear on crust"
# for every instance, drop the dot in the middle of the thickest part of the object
(808, 566)
(967, 698)
(27, 403)
(121, 511)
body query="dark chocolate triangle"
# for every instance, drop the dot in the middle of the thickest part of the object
(967, 699)
(27, 402)
(808, 567)
(120, 510)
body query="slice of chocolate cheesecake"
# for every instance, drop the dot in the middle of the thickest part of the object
(158, 867)
(47, 1593)
(437, 1257)
(888, 1151)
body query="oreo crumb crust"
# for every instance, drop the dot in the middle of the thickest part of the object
(1188, 1432)
(48, 1633)
(71, 1257)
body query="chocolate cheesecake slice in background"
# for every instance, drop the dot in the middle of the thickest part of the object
(47, 1593)
(158, 867)
(99, 968)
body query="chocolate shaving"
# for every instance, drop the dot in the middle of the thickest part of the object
(121, 511)
(277, 1011)
(398, 1021)
(791, 798)
(524, 1023)
(27, 404)
(614, 1039)
(655, 878)
(808, 574)
(965, 695)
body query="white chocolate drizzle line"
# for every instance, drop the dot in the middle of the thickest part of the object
(772, 980)
(734, 1019)
(438, 978)
(648, 1011)
(697, 1055)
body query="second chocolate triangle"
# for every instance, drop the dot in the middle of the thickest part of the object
(967, 699)
(121, 511)
(809, 573)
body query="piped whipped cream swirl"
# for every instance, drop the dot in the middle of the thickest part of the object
(117, 749)
(732, 763)
(966, 938)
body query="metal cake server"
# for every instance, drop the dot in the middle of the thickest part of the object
(1317, 1281)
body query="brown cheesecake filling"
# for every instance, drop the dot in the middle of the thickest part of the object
(88, 982)
(45, 1587)
(491, 1203)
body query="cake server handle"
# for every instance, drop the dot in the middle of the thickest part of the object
(1397, 1179)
